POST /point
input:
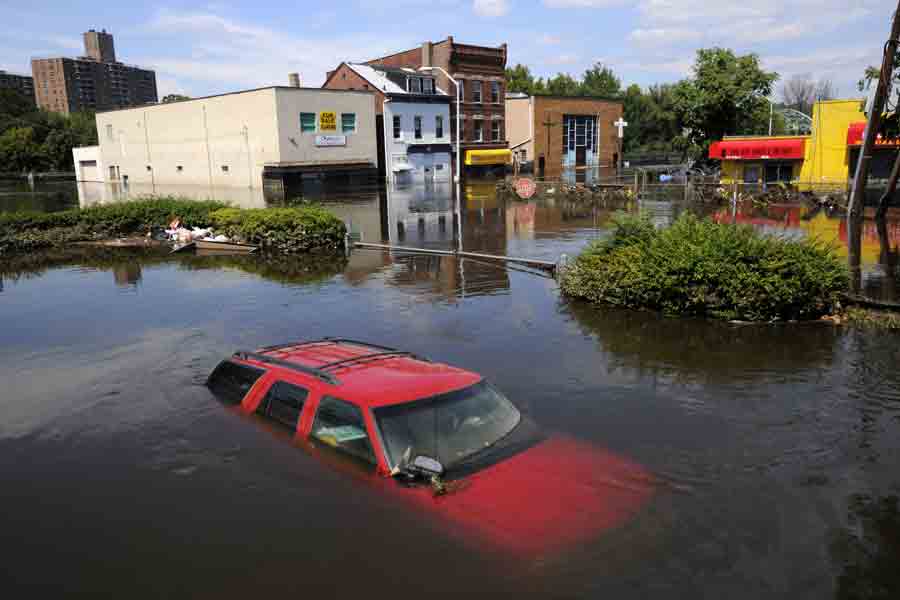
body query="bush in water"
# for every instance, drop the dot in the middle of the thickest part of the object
(280, 229)
(697, 267)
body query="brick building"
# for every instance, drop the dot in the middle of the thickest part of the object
(95, 81)
(560, 134)
(21, 83)
(481, 71)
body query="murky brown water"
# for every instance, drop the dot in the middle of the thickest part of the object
(775, 449)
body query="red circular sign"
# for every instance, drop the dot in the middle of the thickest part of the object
(525, 187)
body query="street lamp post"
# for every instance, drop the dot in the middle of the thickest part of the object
(458, 131)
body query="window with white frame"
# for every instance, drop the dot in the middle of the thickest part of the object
(417, 126)
(307, 122)
(495, 92)
(397, 129)
(428, 85)
(439, 126)
(476, 91)
(415, 85)
(477, 131)
(495, 130)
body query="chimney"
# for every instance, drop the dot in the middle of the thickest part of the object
(426, 54)
(294, 79)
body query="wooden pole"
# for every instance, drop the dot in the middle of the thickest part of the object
(861, 177)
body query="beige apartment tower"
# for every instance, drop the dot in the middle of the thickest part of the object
(95, 81)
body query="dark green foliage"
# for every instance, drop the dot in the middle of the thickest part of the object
(37, 140)
(280, 229)
(697, 267)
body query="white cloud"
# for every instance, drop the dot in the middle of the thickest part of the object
(490, 8)
(661, 36)
(562, 59)
(548, 40)
(216, 54)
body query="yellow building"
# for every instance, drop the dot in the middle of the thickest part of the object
(818, 161)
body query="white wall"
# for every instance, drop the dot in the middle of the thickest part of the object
(227, 140)
(397, 151)
(82, 158)
(300, 147)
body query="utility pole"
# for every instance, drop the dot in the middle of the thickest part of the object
(861, 177)
(548, 124)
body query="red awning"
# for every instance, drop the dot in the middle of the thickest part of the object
(762, 148)
(856, 131)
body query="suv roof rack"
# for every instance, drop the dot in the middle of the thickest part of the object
(264, 358)
(320, 370)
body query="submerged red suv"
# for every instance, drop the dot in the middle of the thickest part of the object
(451, 441)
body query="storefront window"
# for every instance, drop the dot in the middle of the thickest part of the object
(751, 173)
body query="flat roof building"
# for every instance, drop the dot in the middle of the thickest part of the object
(23, 84)
(271, 137)
(95, 81)
(561, 134)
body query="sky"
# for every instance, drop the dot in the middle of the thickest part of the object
(202, 48)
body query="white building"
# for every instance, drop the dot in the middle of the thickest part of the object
(416, 125)
(251, 139)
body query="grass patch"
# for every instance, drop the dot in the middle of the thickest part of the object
(295, 229)
(872, 319)
(697, 267)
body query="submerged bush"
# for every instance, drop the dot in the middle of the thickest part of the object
(697, 267)
(282, 229)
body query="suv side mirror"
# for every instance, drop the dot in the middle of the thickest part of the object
(425, 466)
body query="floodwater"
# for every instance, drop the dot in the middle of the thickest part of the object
(773, 450)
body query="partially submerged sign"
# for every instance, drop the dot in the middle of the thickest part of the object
(525, 187)
(327, 121)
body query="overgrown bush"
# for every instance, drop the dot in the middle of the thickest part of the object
(280, 229)
(697, 267)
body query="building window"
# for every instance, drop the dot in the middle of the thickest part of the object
(495, 130)
(477, 134)
(109, 132)
(348, 122)
(415, 85)
(462, 89)
(439, 126)
(428, 86)
(224, 168)
(476, 91)
(307, 122)
(417, 125)
(397, 127)
(495, 92)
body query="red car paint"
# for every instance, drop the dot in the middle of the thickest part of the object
(554, 494)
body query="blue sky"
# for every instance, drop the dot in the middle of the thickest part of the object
(201, 48)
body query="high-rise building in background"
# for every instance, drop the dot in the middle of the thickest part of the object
(96, 81)
(21, 83)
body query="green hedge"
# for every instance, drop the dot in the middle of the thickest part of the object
(277, 229)
(697, 267)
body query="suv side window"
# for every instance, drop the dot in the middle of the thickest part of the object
(340, 425)
(283, 403)
(230, 382)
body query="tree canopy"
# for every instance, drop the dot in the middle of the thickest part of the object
(37, 140)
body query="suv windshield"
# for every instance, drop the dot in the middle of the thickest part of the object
(450, 427)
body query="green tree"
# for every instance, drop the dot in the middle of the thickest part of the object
(600, 80)
(19, 152)
(563, 85)
(518, 79)
(727, 95)
(174, 98)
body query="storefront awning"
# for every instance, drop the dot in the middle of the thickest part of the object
(500, 156)
(856, 132)
(758, 149)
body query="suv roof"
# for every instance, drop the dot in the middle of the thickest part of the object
(368, 374)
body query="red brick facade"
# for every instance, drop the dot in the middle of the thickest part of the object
(345, 78)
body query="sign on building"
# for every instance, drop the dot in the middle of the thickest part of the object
(327, 121)
(331, 140)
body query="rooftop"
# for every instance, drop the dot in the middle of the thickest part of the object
(380, 77)
(367, 374)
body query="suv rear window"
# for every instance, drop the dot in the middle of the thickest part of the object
(283, 403)
(230, 381)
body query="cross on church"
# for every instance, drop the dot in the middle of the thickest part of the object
(621, 124)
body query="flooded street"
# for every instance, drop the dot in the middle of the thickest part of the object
(773, 450)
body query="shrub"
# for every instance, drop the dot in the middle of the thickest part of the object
(697, 267)
(282, 229)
